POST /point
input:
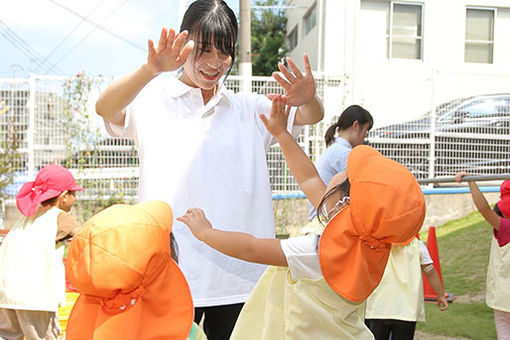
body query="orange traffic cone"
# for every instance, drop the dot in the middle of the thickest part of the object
(428, 292)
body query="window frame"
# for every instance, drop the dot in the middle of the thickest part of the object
(308, 14)
(290, 38)
(390, 30)
(491, 43)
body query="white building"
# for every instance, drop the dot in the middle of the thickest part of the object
(400, 58)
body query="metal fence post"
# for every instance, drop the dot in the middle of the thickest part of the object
(31, 126)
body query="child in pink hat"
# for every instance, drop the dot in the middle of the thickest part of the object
(498, 271)
(32, 280)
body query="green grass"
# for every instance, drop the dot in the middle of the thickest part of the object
(464, 247)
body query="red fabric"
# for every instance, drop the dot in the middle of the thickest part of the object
(504, 203)
(503, 234)
(50, 182)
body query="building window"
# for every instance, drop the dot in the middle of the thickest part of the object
(405, 33)
(310, 20)
(292, 39)
(479, 44)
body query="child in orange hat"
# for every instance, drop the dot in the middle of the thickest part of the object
(498, 272)
(32, 280)
(320, 283)
(131, 287)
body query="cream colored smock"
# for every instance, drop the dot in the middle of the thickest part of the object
(32, 274)
(399, 296)
(280, 308)
(498, 277)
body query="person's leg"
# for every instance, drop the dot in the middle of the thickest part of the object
(403, 330)
(502, 321)
(199, 312)
(219, 321)
(38, 325)
(381, 328)
(9, 325)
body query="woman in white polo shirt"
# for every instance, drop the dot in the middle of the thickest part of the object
(200, 144)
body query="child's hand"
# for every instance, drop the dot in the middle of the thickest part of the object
(442, 303)
(459, 176)
(196, 221)
(277, 122)
(171, 52)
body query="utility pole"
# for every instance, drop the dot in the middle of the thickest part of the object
(245, 45)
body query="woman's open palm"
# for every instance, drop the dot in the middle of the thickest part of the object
(299, 88)
(171, 53)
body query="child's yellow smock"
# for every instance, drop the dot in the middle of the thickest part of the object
(399, 296)
(280, 308)
(498, 277)
(32, 274)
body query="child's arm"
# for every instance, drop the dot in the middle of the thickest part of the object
(435, 282)
(170, 54)
(67, 226)
(480, 202)
(300, 165)
(235, 244)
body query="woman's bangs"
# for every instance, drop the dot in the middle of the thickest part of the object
(223, 36)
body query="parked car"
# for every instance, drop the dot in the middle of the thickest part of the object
(471, 134)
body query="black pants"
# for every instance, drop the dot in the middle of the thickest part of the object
(219, 321)
(399, 330)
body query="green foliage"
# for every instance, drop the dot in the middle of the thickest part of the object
(81, 134)
(268, 30)
(9, 149)
(81, 144)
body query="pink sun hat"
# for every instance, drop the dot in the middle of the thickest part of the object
(51, 181)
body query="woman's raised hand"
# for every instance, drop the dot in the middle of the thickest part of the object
(299, 88)
(171, 52)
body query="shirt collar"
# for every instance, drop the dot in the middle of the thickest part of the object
(343, 141)
(179, 88)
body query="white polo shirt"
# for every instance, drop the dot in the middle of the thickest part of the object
(212, 157)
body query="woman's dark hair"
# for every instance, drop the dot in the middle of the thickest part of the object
(211, 21)
(347, 118)
(344, 188)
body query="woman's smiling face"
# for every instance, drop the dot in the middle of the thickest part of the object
(205, 70)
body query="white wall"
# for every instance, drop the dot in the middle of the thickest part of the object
(306, 44)
(394, 90)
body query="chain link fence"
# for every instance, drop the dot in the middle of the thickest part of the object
(468, 133)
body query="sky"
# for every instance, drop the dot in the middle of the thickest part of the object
(98, 37)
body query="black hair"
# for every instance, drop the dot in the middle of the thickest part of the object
(497, 211)
(347, 118)
(208, 21)
(50, 201)
(344, 188)
(174, 248)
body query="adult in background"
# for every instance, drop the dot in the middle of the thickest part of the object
(349, 131)
(202, 145)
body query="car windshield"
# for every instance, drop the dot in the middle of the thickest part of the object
(489, 107)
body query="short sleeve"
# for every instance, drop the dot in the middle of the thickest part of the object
(302, 257)
(115, 130)
(503, 234)
(424, 254)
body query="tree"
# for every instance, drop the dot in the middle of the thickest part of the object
(268, 30)
(9, 150)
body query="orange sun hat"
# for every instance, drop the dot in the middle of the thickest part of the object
(130, 288)
(386, 206)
